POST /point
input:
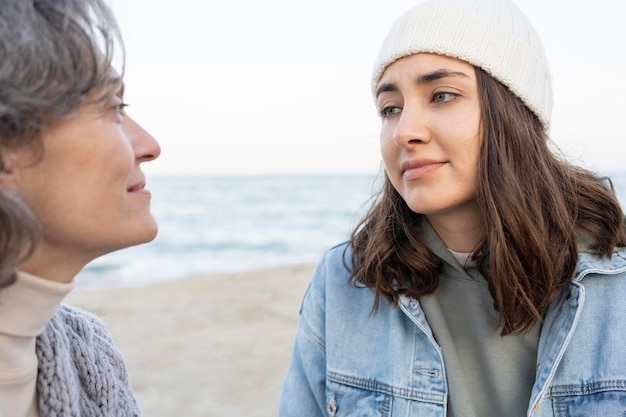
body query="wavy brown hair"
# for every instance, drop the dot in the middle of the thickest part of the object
(533, 205)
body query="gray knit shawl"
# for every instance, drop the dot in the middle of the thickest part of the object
(80, 371)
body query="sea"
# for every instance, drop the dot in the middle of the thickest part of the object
(222, 224)
(211, 225)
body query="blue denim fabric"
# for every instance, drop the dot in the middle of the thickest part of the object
(350, 362)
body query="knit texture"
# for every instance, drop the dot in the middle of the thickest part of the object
(80, 371)
(491, 34)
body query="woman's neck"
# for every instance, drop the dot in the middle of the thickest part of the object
(55, 264)
(460, 234)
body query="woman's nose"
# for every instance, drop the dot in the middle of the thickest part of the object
(411, 128)
(144, 144)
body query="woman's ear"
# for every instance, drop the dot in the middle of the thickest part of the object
(7, 171)
(15, 160)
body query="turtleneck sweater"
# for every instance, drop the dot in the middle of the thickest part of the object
(26, 306)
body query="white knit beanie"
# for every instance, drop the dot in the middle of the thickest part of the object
(491, 34)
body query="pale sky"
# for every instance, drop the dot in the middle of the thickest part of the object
(282, 86)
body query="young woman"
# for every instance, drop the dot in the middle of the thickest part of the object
(488, 278)
(71, 190)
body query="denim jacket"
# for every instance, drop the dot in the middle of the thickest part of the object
(349, 362)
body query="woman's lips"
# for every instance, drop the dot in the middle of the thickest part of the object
(419, 168)
(139, 189)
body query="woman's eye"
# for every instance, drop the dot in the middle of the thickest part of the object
(389, 111)
(443, 97)
(119, 111)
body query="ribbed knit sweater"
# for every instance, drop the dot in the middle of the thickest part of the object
(57, 360)
(80, 373)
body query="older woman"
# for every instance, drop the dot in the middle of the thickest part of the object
(71, 190)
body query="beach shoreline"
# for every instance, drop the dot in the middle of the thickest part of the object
(204, 346)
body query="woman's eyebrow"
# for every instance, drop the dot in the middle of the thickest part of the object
(424, 79)
(385, 87)
(439, 74)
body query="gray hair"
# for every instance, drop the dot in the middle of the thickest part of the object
(54, 55)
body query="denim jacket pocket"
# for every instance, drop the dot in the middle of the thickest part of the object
(355, 397)
(571, 401)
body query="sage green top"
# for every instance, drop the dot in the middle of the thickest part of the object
(488, 375)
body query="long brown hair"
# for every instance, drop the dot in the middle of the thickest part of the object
(533, 205)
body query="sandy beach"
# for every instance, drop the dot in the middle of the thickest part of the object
(205, 346)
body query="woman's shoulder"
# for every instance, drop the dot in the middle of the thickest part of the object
(71, 330)
(338, 255)
(75, 346)
(73, 322)
(75, 315)
(334, 266)
(331, 284)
